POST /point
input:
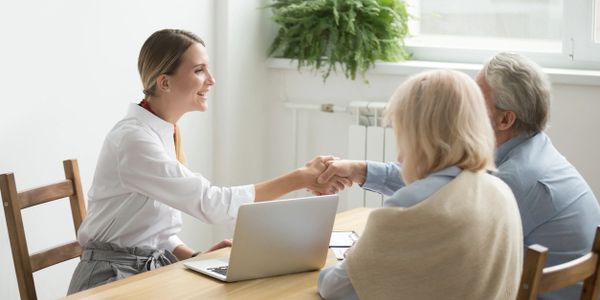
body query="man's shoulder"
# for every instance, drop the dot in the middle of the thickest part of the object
(532, 159)
(540, 167)
(516, 171)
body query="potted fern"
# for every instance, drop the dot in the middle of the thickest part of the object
(352, 33)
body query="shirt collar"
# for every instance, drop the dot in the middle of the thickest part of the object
(157, 124)
(505, 148)
(451, 171)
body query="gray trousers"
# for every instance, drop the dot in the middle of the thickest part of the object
(102, 263)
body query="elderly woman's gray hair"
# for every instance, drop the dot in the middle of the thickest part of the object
(519, 85)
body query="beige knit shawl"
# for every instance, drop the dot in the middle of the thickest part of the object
(463, 242)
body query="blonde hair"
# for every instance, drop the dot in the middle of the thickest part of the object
(440, 120)
(519, 85)
(161, 54)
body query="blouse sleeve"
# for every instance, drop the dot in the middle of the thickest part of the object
(172, 243)
(145, 167)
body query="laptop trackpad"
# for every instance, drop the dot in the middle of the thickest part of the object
(212, 267)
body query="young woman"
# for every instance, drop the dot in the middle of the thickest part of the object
(140, 187)
(449, 230)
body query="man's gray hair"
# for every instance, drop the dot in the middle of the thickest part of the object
(519, 85)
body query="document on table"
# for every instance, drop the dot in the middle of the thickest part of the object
(341, 241)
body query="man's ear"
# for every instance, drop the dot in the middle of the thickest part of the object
(506, 121)
(162, 83)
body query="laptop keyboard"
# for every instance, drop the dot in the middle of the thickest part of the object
(221, 270)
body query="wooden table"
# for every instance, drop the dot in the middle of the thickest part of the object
(177, 282)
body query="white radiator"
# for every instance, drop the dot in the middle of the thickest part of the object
(369, 140)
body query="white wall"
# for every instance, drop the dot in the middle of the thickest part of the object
(242, 95)
(573, 123)
(69, 70)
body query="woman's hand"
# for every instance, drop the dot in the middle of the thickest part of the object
(354, 170)
(183, 252)
(314, 168)
(304, 177)
(222, 244)
(317, 165)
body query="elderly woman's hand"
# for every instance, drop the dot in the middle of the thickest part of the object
(354, 170)
(315, 168)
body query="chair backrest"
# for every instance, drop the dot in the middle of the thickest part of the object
(14, 202)
(536, 279)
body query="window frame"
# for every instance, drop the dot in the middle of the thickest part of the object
(579, 49)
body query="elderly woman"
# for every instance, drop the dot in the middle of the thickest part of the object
(452, 231)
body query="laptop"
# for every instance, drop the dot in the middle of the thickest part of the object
(275, 238)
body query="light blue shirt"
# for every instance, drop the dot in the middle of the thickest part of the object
(383, 178)
(558, 208)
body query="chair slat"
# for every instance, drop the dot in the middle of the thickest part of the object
(532, 272)
(16, 234)
(55, 255)
(71, 168)
(35, 196)
(14, 201)
(536, 279)
(569, 273)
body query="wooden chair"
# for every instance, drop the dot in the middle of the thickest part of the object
(14, 202)
(536, 279)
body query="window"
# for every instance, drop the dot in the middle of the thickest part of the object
(597, 22)
(552, 32)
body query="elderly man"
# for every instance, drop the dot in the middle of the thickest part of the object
(558, 208)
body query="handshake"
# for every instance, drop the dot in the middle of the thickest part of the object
(329, 174)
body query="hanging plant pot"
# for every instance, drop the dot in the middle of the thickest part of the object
(320, 34)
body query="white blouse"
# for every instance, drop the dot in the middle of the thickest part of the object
(140, 189)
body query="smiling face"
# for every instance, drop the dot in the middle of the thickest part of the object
(190, 83)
